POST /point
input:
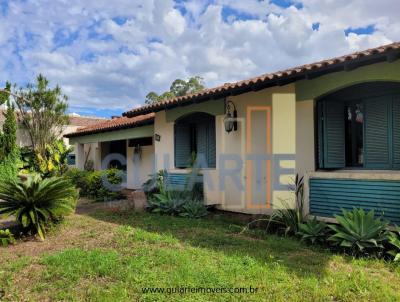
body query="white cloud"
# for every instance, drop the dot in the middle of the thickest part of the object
(111, 55)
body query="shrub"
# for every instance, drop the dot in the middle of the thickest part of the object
(36, 202)
(160, 199)
(55, 162)
(360, 232)
(92, 183)
(194, 209)
(168, 202)
(394, 242)
(313, 231)
(290, 218)
(6, 237)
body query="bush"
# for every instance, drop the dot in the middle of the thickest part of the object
(394, 244)
(193, 209)
(36, 202)
(313, 231)
(6, 237)
(55, 162)
(288, 219)
(186, 203)
(359, 232)
(9, 166)
(93, 184)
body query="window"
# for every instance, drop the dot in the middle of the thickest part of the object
(195, 134)
(359, 127)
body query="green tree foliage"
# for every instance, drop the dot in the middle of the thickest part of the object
(43, 113)
(178, 87)
(9, 152)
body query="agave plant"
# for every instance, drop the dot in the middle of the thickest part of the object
(313, 231)
(394, 241)
(168, 202)
(359, 231)
(194, 209)
(36, 202)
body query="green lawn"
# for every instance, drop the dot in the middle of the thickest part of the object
(111, 256)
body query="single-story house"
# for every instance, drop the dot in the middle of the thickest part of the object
(335, 122)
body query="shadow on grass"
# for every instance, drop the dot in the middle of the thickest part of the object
(221, 234)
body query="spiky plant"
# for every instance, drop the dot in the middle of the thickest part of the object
(359, 231)
(36, 202)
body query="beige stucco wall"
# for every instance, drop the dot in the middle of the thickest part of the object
(305, 137)
(139, 169)
(281, 102)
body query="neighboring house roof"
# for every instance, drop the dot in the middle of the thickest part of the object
(114, 124)
(84, 121)
(388, 52)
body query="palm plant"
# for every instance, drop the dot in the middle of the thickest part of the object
(36, 202)
(359, 231)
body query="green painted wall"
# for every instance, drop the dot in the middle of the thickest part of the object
(214, 107)
(311, 89)
(144, 131)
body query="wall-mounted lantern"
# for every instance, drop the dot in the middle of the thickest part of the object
(230, 120)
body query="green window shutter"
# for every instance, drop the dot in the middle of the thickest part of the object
(211, 145)
(201, 140)
(396, 132)
(205, 134)
(182, 145)
(377, 136)
(334, 134)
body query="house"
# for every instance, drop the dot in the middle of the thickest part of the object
(337, 122)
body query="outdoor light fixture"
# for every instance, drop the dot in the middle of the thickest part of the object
(230, 119)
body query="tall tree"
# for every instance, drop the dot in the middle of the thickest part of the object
(178, 87)
(9, 151)
(42, 111)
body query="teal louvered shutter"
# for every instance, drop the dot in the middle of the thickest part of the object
(396, 132)
(334, 134)
(377, 152)
(201, 141)
(182, 145)
(205, 134)
(211, 145)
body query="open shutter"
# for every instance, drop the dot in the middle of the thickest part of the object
(201, 143)
(334, 134)
(182, 145)
(377, 138)
(396, 132)
(211, 145)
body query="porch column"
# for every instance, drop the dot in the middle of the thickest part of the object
(97, 156)
(80, 156)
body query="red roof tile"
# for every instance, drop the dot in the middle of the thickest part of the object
(300, 72)
(114, 124)
(83, 121)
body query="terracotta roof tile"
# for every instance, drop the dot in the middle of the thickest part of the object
(83, 121)
(279, 75)
(114, 124)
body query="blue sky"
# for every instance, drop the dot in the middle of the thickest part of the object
(108, 57)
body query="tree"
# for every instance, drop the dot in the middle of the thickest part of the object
(178, 87)
(42, 111)
(9, 151)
